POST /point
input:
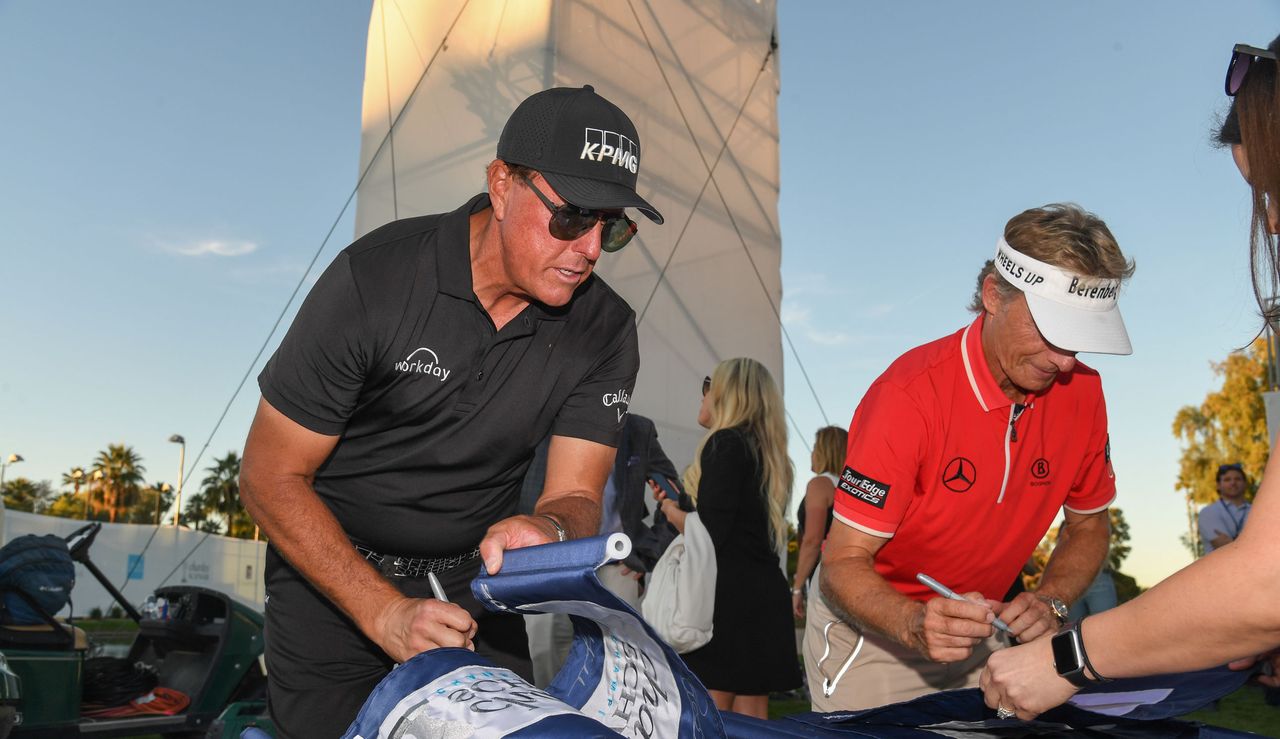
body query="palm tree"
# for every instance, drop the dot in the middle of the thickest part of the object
(220, 491)
(200, 513)
(24, 495)
(121, 473)
(75, 477)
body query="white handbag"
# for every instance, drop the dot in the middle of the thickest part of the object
(679, 600)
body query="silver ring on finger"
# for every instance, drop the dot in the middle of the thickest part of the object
(1004, 713)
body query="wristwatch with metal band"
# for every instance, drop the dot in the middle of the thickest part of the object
(1070, 659)
(1059, 608)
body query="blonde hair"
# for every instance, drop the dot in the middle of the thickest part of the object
(1064, 235)
(743, 395)
(829, 448)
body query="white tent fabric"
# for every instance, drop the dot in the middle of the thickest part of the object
(700, 82)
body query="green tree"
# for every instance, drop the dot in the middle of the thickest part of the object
(149, 504)
(75, 477)
(202, 514)
(117, 472)
(65, 505)
(1119, 540)
(21, 494)
(1229, 426)
(221, 491)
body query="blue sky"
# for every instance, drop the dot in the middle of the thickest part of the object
(170, 168)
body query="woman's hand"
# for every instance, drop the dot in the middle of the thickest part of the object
(797, 602)
(673, 513)
(670, 508)
(1022, 679)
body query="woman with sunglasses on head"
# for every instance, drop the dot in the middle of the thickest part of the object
(817, 508)
(740, 480)
(1225, 606)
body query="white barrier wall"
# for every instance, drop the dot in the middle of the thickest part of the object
(156, 556)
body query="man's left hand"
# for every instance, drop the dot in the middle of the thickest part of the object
(1028, 617)
(514, 533)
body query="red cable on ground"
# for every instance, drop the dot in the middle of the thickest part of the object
(160, 701)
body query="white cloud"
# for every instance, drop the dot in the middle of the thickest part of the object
(213, 247)
(798, 318)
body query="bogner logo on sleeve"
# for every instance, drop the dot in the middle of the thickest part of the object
(864, 488)
(606, 146)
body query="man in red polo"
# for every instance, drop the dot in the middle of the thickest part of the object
(960, 456)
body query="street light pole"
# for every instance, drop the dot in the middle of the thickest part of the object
(13, 459)
(182, 463)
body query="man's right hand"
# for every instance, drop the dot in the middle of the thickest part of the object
(410, 626)
(947, 630)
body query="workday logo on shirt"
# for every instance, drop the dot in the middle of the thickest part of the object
(423, 361)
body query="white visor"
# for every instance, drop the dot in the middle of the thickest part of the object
(1073, 312)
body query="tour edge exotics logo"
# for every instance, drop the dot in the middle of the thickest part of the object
(620, 401)
(423, 361)
(864, 488)
(600, 145)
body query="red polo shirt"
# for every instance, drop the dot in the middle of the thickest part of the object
(963, 484)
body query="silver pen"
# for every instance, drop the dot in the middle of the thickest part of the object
(436, 589)
(947, 592)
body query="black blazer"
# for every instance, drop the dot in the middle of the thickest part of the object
(639, 458)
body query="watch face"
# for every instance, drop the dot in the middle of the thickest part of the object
(1065, 656)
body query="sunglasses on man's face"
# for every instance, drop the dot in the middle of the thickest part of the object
(1243, 57)
(569, 222)
(706, 386)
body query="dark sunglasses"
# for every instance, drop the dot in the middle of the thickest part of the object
(706, 385)
(1223, 468)
(1243, 57)
(569, 222)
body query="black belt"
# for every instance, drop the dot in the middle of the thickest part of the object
(394, 566)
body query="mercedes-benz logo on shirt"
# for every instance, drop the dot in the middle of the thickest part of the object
(959, 475)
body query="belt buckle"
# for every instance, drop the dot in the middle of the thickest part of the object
(392, 566)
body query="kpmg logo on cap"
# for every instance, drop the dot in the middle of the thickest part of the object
(600, 145)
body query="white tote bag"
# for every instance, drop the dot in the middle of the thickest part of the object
(679, 601)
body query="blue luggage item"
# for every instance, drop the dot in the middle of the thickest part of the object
(621, 680)
(41, 568)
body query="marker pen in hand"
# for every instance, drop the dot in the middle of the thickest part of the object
(947, 592)
(436, 588)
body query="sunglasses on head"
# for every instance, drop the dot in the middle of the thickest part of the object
(706, 385)
(1237, 466)
(1243, 57)
(569, 222)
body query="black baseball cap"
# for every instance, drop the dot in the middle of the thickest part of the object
(584, 146)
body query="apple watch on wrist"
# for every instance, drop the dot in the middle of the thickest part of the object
(1070, 658)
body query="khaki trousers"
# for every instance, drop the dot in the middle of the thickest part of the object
(883, 672)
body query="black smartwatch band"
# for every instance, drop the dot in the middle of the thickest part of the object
(1097, 677)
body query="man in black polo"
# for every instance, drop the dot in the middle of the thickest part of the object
(401, 410)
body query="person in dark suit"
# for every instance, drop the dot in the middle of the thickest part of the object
(623, 508)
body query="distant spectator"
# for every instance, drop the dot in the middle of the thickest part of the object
(1222, 520)
(815, 515)
(622, 509)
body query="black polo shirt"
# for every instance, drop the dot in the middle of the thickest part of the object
(438, 413)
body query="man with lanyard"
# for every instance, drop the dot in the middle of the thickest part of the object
(960, 456)
(1222, 520)
(401, 410)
